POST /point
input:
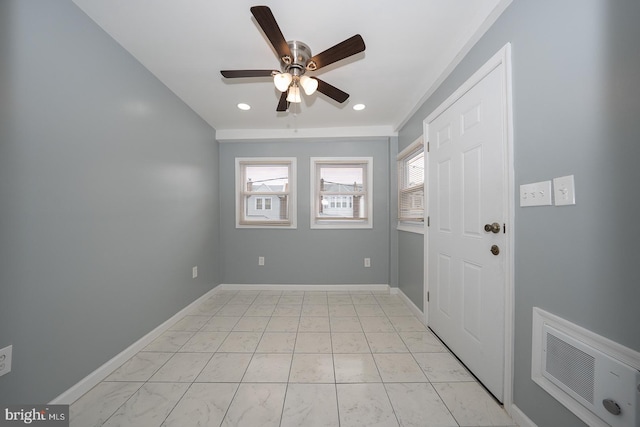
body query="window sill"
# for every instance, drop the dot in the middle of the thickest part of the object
(411, 227)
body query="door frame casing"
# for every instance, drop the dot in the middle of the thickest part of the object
(501, 58)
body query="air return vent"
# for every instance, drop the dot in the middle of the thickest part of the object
(597, 379)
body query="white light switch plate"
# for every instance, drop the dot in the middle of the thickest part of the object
(535, 194)
(564, 190)
(5, 360)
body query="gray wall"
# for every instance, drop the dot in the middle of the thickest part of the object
(576, 101)
(303, 255)
(108, 197)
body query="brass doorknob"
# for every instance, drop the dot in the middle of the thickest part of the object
(493, 228)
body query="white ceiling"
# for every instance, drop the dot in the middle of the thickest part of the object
(410, 45)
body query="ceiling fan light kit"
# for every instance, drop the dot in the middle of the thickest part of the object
(295, 61)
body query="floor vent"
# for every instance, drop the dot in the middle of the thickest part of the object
(594, 377)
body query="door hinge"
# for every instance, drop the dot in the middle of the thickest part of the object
(428, 147)
(427, 296)
(428, 221)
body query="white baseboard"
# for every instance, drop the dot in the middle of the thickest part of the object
(294, 287)
(414, 308)
(520, 418)
(94, 378)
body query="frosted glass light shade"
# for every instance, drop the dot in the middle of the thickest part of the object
(282, 81)
(294, 94)
(308, 84)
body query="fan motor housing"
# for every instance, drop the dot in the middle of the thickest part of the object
(296, 65)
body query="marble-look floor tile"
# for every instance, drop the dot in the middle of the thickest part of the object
(202, 405)
(333, 298)
(233, 310)
(442, 367)
(291, 299)
(149, 406)
(190, 323)
(418, 405)
(256, 405)
(365, 405)
(315, 310)
(342, 310)
(277, 342)
(314, 324)
(349, 342)
(407, 324)
(182, 367)
(207, 342)
(397, 310)
(99, 403)
(169, 341)
(310, 405)
(471, 405)
(313, 342)
(369, 310)
(359, 299)
(345, 324)
(386, 342)
(399, 368)
(312, 368)
(260, 310)
(355, 368)
(268, 368)
(251, 324)
(376, 324)
(140, 367)
(422, 342)
(225, 367)
(240, 342)
(283, 324)
(287, 310)
(221, 323)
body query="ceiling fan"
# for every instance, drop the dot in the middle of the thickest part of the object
(295, 61)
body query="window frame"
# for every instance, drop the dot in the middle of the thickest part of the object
(240, 193)
(341, 223)
(414, 224)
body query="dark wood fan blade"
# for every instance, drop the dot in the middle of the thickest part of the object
(283, 104)
(270, 27)
(342, 50)
(331, 91)
(233, 74)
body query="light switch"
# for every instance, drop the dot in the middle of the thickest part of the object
(535, 194)
(564, 190)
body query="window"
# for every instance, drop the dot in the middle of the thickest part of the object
(265, 192)
(341, 190)
(411, 198)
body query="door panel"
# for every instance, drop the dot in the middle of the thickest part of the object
(467, 189)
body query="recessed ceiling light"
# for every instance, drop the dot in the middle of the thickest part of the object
(359, 107)
(244, 106)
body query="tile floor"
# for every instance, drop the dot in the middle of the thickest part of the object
(292, 358)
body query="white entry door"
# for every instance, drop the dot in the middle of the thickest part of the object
(467, 190)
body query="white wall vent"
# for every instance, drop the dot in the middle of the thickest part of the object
(594, 377)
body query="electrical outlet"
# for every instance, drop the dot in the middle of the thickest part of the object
(194, 272)
(5, 360)
(260, 260)
(367, 262)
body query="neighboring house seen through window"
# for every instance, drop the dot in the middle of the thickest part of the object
(265, 192)
(341, 192)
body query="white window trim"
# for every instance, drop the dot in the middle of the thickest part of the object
(406, 225)
(338, 223)
(292, 191)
